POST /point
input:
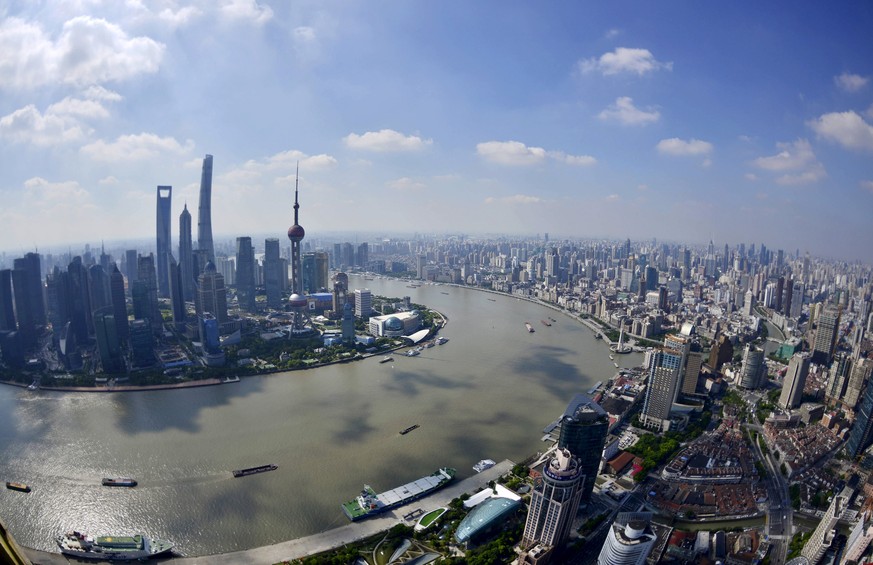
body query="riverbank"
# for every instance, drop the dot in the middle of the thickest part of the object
(211, 382)
(329, 539)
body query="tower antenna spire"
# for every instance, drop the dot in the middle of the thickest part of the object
(296, 185)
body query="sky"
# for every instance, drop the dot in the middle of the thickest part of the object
(682, 121)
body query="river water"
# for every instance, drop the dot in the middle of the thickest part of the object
(487, 393)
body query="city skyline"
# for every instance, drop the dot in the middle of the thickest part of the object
(588, 122)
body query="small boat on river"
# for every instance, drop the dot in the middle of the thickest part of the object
(254, 470)
(20, 487)
(119, 482)
(409, 429)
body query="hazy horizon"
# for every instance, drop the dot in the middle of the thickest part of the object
(677, 122)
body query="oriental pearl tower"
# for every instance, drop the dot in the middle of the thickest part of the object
(297, 301)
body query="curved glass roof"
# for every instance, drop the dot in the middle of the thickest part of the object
(484, 516)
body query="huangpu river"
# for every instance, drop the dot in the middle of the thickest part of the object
(487, 393)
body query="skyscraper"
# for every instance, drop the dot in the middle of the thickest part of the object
(28, 300)
(130, 268)
(662, 389)
(108, 342)
(826, 335)
(162, 257)
(754, 369)
(7, 313)
(212, 296)
(826, 531)
(146, 293)
(794, 381)
(119, 307)
(177, 297)
(272, 273)
(363, 255)
(245, 274)
(204, 212)
(186, 254)
(78, 300)
(583, 431)
(363, 302)
(859, 373)
(861, 435)
(629, 541)
(554, 502)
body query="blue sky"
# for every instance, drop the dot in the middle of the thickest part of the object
(677, 120)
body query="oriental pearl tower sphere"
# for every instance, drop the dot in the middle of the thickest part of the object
(297, 302)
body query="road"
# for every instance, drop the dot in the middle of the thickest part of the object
(780, 513)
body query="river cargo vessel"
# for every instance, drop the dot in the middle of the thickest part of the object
(369, 503)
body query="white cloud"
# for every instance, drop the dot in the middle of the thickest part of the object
(28, 125)
(796, 160)
(288, 160)
(612, 197)
(514, 199)
(386, 140)
(624, 60)
(510, 153)
(577, 160)
(247, 10)
(846, 128)
(406, 184)
(108, 181)
(851, 82)
(55, 194)
(517, 153)
(612, 33)
(624, 111)
(180, 17)
(869, 111)
(87, 51)
(135, 148)
(680, 147)
(867, 185)
(751, 177)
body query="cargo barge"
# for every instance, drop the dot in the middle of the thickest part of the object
(368, 503)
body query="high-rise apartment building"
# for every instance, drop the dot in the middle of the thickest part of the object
(794, 381)
(826, 531)
(245, 274)
(693, 366)
(859, 373)
(861, 434)
(826, 333)
(204, 211)
(584, 427)
(272, 273)
(363, 302)
(629, 541)
(753, 370)
(838, 378)
(162, 256)
(186, 254)
(554, 502)
(661, 391)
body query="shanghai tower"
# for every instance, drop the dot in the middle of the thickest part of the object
(204, 214)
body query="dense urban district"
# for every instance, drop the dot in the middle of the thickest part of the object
(744, 437)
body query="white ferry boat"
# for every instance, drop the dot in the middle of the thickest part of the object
(484, 464)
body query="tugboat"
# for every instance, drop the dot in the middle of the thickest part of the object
(254, 470)
(386, 359)
(409, 429)
(119, 482)
(529, 327)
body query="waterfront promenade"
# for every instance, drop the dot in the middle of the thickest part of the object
(324, 541)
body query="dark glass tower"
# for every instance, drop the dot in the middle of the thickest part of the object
(7, 314)
(583, 431)
(245, 274)
(29, 303)
(79, 301)
(186, 254)
(164, 194)
(119, 307)
(204, 212)
(272, 273)
(862, 431)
